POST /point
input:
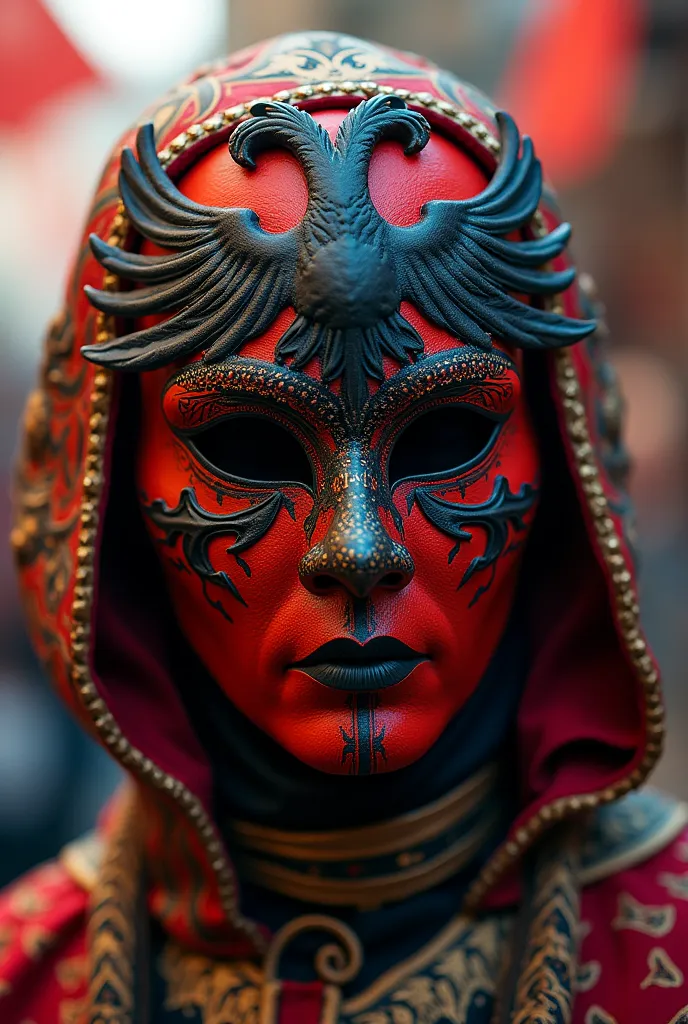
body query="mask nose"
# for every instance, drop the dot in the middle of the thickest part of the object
(356, 553)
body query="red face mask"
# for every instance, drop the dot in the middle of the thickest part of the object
(346, 587)
(345, 575)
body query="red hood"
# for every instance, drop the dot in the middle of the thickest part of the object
(590, 723)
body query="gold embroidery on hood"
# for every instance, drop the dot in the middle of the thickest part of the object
(313, 66)
(36, 939)
(221, 991)
(72, 1010)
(655, 921)
(663, 971)
(677, 885)
(460, 980)
(596, 1015)
(545, 987)
(111, 932)
(588, 975)
(72, 972)
(461, 976)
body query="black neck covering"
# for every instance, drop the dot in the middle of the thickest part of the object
(256, 780)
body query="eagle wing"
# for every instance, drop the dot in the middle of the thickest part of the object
(226, 278)
(457, 266)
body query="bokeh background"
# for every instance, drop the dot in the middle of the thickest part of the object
(602, 85)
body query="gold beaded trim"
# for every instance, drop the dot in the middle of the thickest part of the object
(365, 90)
(545, 990)
(627, 616)
(577, 427)
(111, 935)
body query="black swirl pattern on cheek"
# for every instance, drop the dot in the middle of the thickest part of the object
(197, 528)
(503, 509)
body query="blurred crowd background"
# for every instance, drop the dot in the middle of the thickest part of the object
(602, 85)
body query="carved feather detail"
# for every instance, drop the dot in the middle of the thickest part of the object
(344, 269)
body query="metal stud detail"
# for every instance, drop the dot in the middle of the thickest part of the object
(611, 548)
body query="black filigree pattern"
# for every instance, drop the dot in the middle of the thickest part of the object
(197, 528)
(353, 482)
(344, 269)
(502, 510)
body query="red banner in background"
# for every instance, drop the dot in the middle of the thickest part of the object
(37, 60)
(570, 80)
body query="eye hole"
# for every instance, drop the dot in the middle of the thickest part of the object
(439, 441)
(254, 448)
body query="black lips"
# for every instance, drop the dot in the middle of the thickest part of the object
(345, 665)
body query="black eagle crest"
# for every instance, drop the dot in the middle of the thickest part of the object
(343, 268)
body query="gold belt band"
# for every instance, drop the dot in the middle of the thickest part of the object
(388, 837)
(368, 893)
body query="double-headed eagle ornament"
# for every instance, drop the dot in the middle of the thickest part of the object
(344, 269)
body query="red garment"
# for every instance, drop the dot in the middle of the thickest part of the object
(633, 953)
(634, 925)
(43, 963)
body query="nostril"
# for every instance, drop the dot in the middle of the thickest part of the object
(360, 583)
(393, 581)
(323, 584)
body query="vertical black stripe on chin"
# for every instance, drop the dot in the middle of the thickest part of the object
(364, 744)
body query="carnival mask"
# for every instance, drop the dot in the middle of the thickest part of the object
(336, 461)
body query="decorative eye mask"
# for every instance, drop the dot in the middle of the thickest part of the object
(352, 471)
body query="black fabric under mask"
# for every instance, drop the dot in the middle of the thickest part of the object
(257, 780)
